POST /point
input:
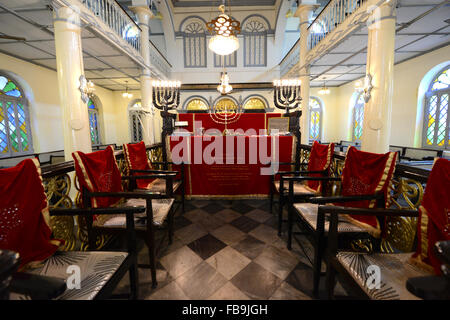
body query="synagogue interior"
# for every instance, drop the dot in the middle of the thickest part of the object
(224, 150)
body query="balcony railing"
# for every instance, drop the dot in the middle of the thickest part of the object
(334, 13)
(158, 60)
(290, 59)
(116, 18)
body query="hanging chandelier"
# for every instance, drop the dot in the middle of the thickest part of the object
(126, 94)
(224, 86)
(324, 90)
(224, 30)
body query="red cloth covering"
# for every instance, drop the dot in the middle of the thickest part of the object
(137, 159)
(240, 178)
(24, 216)
(367, 173)
(98, 172)
(320, 159)
(434, 219)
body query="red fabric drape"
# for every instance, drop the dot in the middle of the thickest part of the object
(24, 216)
(434, 220)
(137, 159)
(367, 173)
(320, 159)
(98, 172)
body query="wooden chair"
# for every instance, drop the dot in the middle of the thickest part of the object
(100, 182)
(43, 269)
(321, 157)
(138, 163)
(403, 275)
(365, 183)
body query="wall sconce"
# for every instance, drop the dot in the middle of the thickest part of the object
(126, 94)
(86, 88)
(365, 87)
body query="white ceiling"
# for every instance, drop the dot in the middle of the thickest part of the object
(32, 20)
(420, 29)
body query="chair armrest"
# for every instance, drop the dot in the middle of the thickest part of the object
(369, 212)
(128, 195)
(168, 162)
(155, 171)
(303, 178)
(298, 172)
(153, 176)
(325, 200)
(92, 211)
(37, 286)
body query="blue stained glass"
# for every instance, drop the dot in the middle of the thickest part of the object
(13, 93)
(91, 104)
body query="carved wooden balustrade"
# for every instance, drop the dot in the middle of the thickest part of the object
(61, 187)
(406, 193)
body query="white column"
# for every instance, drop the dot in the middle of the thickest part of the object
(69, 64)
(144, 15)
(304, 11)
(380, 65)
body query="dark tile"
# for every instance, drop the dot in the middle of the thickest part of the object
(250, 247)
(241, 207)
(256, 282)
(213, 207)
(180, 222)
(272, 222)
(188, 206)
(206, 246)
(245, 224)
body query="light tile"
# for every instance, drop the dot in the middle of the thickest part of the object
(172, 291)
(264, 233)
(277, 261)
(228, 292)
(259, 215)
(228, 262)
(180, 261)
(287, 292)
(227, 215)
(190, 233)
(228, 234)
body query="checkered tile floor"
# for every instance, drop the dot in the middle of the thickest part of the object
(226, 249)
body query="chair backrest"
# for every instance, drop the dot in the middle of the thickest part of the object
(367, 173)
(24, 214)
(434, 218)
(98, 172)
(136, 159)
(320, 159)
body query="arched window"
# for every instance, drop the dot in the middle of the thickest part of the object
(196, 104)
(226, 104)
(93, 123)
(436, 121)
(135, 122)
(254, 104)
(255, 41)
(194, 44)
(358, 118)
(15, 129)
(315, 125)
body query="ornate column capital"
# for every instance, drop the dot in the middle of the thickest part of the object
(143, 12)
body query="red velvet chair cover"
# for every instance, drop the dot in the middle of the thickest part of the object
(434, 218)
(137, 159)
(319, 160)
(98, 172)
(24, 215)
(367, 173)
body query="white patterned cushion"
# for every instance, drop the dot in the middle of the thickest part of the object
(395, 270)
(309, 212)
(96, 268)
(161, 209)
(299, 188)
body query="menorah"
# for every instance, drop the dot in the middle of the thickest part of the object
(166, 97)
(286, 97)
(222, 114)
(286, 94)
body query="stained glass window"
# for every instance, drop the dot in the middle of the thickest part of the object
(436, 122)
(93, 123)
(358, 118)
(315, 111)
(196, 105)
(254, 104)
(135, 123)
(15, 133)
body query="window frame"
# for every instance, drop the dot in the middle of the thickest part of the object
(425, 121)
(254, 36)
(320, 111)
(131, 120)
(199, 38)
(4, 100)
(357, 106)
(95, 112)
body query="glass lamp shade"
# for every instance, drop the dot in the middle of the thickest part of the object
(222, 45)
